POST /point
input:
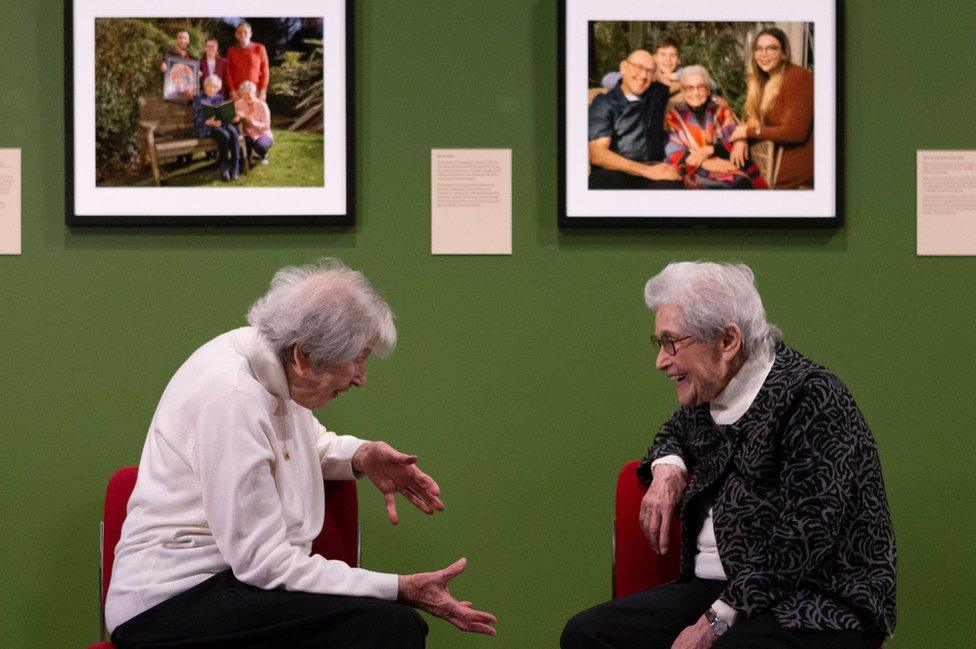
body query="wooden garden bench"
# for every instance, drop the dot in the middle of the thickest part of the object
(166, 133)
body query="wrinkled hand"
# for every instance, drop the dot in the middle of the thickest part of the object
(740, 133)
(428, 591)
(719, 166)
(738, 154)
(394, 472)
(698, 156)
(659, 505)
(661, 171)
(697, 636)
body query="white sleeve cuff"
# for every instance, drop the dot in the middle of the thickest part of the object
(673, 460)
(725, 612)
(335, 454)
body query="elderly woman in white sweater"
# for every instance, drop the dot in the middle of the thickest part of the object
(215, 550)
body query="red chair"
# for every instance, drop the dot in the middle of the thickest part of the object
(635, 566)
(339, 538)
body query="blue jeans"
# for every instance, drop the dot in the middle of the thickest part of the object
(228, 149)
(260, 145)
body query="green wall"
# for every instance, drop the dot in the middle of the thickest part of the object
(523, 382)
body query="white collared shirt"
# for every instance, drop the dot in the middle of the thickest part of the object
(231, 477)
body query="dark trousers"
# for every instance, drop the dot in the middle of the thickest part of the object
(654, 618)
(260, 145)
(601, 178)
(224, 613)
(228, 146)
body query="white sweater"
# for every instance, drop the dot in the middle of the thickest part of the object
(231, 477)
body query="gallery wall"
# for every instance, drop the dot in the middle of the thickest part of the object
(523, 382)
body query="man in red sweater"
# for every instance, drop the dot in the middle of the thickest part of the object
(247, 61)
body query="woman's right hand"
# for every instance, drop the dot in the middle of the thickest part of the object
(428, 591)
(698, 156)
(741, 132)
(738, 154)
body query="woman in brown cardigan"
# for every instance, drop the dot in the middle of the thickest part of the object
(779, 107)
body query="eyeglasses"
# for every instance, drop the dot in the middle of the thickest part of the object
(668, 344)
(640, 67)
(769, 49)
(699, 88)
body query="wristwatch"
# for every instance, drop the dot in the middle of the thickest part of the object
(719, 626)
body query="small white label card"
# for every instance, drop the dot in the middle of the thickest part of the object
(946, 202)
(9, 201)
(471, 201)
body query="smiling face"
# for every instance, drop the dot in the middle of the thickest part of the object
(313, 389)
(243, 34)
(211, 48)
(700, 368)
(768, 53)
(183, 40)
(695, 90)
(667, 59)
(638, 72)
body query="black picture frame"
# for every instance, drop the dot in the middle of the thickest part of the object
(90, 202)
(580, 206)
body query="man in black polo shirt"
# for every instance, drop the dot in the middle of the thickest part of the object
(626, 130)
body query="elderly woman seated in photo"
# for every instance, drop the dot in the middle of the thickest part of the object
(255, 116)
(700, 143)
(228, 146)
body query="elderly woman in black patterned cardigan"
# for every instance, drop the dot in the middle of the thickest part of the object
(786, 535)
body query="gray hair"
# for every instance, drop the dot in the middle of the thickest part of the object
(327, 310)
(712, 296)
(248, 85)
(213, 80)
(690, 70)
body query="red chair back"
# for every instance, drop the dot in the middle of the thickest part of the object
(635, 566)
(339, 538)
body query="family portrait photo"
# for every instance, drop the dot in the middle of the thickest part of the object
(207, 114)
(660, 114)
(207, 101)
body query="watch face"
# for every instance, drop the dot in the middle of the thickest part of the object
(719, 627)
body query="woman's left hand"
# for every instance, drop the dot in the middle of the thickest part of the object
(394, 472)
(718, 165)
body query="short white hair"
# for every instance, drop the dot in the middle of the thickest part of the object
(213, 80)
(326, 310)
(711, 296)
(247, 85)
(691, 70)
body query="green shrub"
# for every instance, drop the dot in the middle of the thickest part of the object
(293, 80)
(127, 57)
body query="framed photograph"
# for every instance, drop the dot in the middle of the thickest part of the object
(147, 85)
(703, 114)
(181, 80)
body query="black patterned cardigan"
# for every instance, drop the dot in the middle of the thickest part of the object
(800, 512)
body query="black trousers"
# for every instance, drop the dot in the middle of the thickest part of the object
(601, 178)
(224, 613)
(654, 618)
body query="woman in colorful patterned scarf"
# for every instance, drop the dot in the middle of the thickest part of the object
(700, 143)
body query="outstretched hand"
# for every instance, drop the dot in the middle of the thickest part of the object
(428, 591)
(394, 472)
